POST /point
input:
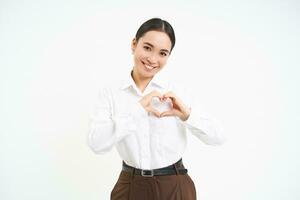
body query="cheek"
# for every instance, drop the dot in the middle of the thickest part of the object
(163, 61)
(137, 57)
(140, 55)
(143, 54)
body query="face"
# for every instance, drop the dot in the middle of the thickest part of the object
(150, 53)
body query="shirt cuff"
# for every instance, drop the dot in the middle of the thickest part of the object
(205, 128)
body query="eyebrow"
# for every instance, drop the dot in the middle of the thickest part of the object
(153, 46)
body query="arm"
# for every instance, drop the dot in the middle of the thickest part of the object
(107, 128)
(203, 126)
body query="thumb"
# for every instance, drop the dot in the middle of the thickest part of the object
(155, 112)
(167, 113)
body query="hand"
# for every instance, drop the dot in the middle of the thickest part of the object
(146, 102)
(179, 109)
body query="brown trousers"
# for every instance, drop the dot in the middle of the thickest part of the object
(168, 187)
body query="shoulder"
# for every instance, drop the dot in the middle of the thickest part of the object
(109, 88)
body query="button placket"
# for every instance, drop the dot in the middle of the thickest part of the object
(145, 147)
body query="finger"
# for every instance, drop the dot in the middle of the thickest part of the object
(154, 112)
(163, 98)
(167, 113)
(175, 99)
(171, 113)
(159, 96)
(170, 95)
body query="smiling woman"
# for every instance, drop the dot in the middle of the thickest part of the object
(151, 49)
(149, 140)
(151, 52)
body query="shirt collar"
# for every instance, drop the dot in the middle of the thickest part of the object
(157, 80)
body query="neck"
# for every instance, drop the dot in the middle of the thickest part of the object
(141, 82)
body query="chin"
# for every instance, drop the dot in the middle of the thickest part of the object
(150, 74)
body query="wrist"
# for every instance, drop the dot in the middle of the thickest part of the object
(186, 114)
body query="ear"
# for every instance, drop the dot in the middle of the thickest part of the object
(133, 44)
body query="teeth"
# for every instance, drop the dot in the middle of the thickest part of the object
(148, 66)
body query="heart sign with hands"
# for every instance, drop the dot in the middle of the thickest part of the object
(162, 105)
(178, 109)
(146, 102)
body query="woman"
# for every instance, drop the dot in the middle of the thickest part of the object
(146, 120)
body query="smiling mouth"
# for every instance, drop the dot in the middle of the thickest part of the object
(148, 67)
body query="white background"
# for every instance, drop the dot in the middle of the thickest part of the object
(242, 58)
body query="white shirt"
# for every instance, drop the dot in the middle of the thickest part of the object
(141, 139)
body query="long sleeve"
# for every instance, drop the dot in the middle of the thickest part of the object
(201, 124)
(107, 128)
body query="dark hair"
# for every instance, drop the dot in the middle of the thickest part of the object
(156, 24)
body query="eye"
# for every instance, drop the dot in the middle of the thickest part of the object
(163, 54)
(147, 48)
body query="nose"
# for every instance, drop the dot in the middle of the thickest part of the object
(152, 59)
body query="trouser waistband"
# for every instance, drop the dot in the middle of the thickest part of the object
(176, 168)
